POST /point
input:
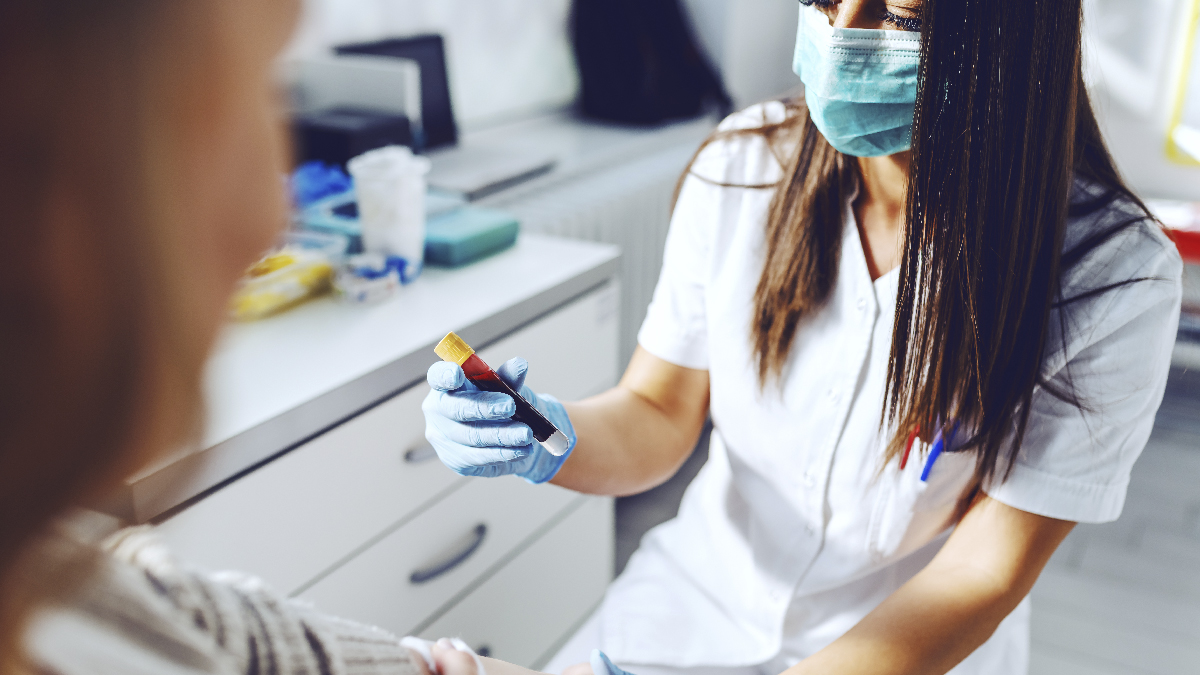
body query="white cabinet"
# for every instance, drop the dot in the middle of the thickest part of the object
(366, 523)
(414, 571)
(300, 514)
(539, 592)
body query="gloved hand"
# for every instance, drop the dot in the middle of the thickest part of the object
(473, 434)
(602, 665)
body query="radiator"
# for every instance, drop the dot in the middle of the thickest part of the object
(627, 204)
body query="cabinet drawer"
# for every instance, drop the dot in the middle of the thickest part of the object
(421, 566)
(300, 514)
(572, 353)
(303, 513)
(530, 607)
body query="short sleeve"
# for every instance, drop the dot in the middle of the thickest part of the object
(675, 328)
(1075, 461)
(676, 325)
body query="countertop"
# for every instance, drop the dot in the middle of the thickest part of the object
(277, 382)
(578, 147)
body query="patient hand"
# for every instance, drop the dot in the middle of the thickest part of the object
(451, 661)
(578, 669)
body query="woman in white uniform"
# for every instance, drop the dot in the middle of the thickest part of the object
(931, 326)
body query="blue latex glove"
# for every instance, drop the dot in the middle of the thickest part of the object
(602, 665)
(473, 434)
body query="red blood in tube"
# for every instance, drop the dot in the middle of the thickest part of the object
(486, 379)
(452, 348)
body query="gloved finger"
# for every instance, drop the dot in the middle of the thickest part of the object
(475, 406)
(497, 435)
(602, 665)
(497, 469)
(470, 460)
(513, 372)
(446, 376)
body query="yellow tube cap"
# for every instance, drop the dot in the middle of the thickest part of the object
(452, 348)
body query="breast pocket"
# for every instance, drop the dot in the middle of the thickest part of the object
(908, 512)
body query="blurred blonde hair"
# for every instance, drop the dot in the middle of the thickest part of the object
(99, 356)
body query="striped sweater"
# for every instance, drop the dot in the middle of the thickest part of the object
(141, 612)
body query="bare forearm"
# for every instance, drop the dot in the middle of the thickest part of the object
(625, 444)
(933, 622)
(495, 667)
(953, 606)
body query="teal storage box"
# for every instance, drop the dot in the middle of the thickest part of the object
(468, 234)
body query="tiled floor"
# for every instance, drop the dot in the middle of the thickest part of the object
(1117, 599)
(1125, 597)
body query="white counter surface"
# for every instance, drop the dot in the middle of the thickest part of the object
(275, 383)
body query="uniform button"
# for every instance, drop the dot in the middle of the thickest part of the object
(862, 304)
(810, 478)
(810, 529)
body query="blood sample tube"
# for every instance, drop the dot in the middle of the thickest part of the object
(453, 349)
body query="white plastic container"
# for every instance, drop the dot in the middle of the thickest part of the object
(390, 186)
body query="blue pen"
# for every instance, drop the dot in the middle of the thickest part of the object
(939, 444)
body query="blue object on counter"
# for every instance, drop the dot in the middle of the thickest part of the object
(338, 214)
(468, 234)
(315, 180)
(372, 277)
(330, 245)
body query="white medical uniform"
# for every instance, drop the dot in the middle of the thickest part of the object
(789, 535)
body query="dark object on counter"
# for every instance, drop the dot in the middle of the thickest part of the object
(639, 63)
(338, 135)
(429, 51)
(468, 234)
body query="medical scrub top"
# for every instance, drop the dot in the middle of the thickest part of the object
(794, 530)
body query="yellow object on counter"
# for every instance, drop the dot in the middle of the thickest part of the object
(271, 263)
(279, 281)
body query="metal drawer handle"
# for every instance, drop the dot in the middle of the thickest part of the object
(420, 454)
(436, 570)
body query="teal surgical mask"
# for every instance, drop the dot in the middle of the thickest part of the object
(860, 85)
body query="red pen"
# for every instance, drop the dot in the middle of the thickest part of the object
(912, 437)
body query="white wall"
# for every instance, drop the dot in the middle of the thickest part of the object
(1133, 56)
(751, 42)
(509, 58)
(506, 58)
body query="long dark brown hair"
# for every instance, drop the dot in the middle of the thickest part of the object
(1002, 129)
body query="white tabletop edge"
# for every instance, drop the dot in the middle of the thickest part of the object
(254, 418)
